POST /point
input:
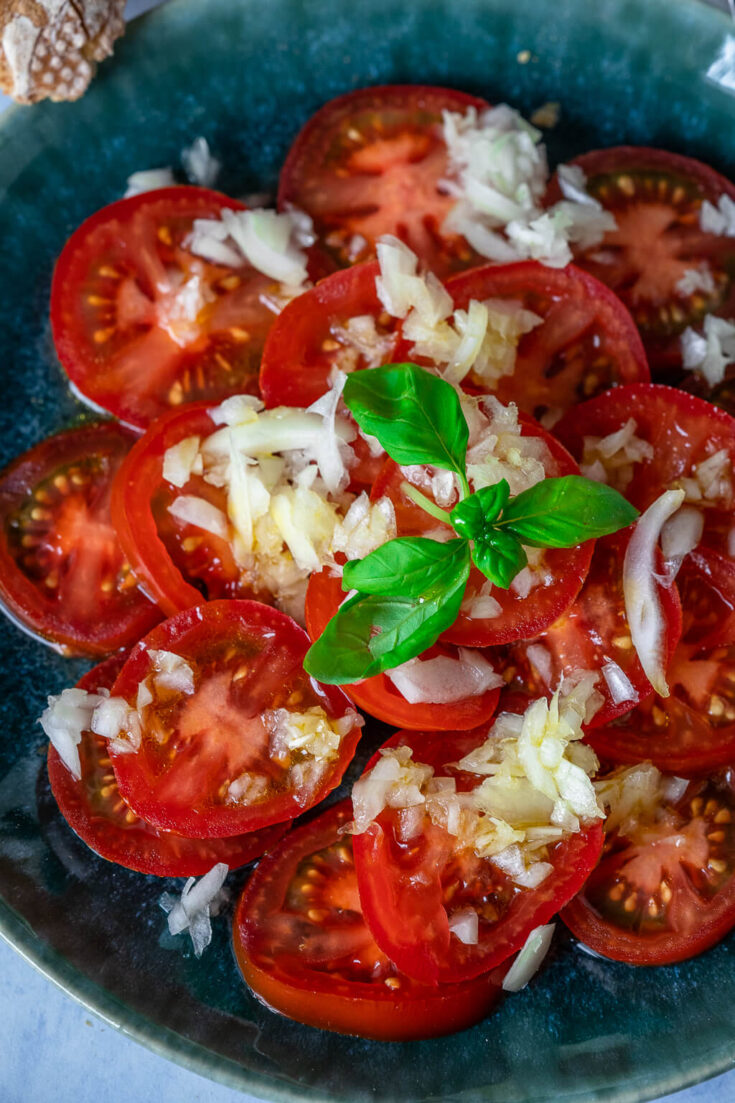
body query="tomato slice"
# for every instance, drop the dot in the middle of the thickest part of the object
(141, 324)
(178, 562)
(95, 811)
(310, 337)
(693, 730)
(683, 431)
(371, 163)
(593, 632)
(656, 198)
(557, 578)
(585, 343)
(302, 945)
(410, 889)
(378, 695)
(215, 762)
(665, 890)
(63, 575)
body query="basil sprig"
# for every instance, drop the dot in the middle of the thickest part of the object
(410, 590)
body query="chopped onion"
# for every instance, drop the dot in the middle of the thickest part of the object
(540, 656)
(718, 219)
(172, 672)
(441, 680)
(534, 950)
(679, 536)
(199, 900)
(712, 353)
(640, 582)
(149, 180)
(465, 925)
(199, 164)
(180, 461)
(192, 510)
(619, 684)
(64, 721)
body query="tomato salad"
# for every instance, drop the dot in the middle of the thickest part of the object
(441, 441)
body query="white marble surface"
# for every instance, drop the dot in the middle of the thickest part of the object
(55, 1051)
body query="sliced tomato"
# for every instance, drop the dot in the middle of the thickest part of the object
(63, 575)
(213, 762)
(592, 633)
(372, 162)
(693, 730)
(410, 889)
(178, 562)
(303, 947)
(141, 324)
(378, 695)
(586, 340)
(95, 811)
(656, 198)
(683, 431)
(665, 890)
(310, 337)
(560, 571)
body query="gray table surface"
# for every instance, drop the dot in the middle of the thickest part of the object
(53, 1050)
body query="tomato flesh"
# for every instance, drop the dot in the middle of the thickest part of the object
(665, 891)
(692, 730)
(207, 765)
(95, 811)
(141, 324)
(656, 198)
(409, 889)
(302, 945)
(63, 575)
(371, 163)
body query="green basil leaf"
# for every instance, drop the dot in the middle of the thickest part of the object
(411, 566)
(560, 513)
(372, 634)
(475, 516)
(415, 415)
(500, 556)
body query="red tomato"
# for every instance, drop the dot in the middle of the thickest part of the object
(378, 695)
(142, 324)
(683, 431)
(656, 198)
(664, 891)
(594, 631)
(308, 339)
(693, 730)
(586, 342)
(303, 947)
(520, 617)
(177, 562)
(410, 889)
(371, 163)
(95, 811)
(212, 763)
(63, 575)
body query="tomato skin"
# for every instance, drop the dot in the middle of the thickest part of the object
(682, 429)
(701, 897)
(334, 179)
(251, 656)
(655, 197)
(692, 731)
(358, 992)
(132, 506)
(117, 834)
(377, 695)
(519, 618)
(586, 343)
(57, 498)
(295, 368)
(113, 335)
(405, 888)
(593, 631)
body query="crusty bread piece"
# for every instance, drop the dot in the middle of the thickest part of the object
(48, 48)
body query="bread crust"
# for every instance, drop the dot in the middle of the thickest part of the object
(49, 48)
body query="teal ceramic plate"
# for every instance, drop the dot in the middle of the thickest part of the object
(246, 74)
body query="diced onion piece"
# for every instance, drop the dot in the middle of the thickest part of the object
(149, 180)
(640, 589)
(180, 461)
(528, 962)
(618, 683)
(199, 901)
(64, 721)
(443, 679)
(719, 219)
(680, 535)
(172, 672)
(465, 925)
(192, 510)
(540, 656)
(712, 353)
(199, 164)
